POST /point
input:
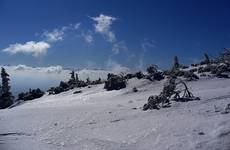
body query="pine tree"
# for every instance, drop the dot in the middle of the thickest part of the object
(76, 78)
(72, 80)
(176, 64)
(88, 81)
(206, 59)
(6, 97)
(73, 76)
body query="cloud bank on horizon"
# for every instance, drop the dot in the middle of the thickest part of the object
(24, 77)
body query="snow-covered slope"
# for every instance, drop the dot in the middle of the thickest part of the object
(113, 120)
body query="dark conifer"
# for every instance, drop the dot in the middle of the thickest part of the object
(206, 59)
(72, 76)
(176, 64)
(6, 97)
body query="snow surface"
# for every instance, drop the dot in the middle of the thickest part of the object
(97, 119)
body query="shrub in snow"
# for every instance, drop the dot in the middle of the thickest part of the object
(152, 69)
(129, 76)
(55, 90)
(72, 83)
(158, 76)
(115, 82)
(139, 75)
(184, 67)
(169, 90)
(190, 76)
(88, 81)
(135, 89)
(154, 74)
(222, 75)
(153, 103)
(226, 110)
(64, 85)
(31, 94)
(193, 70)
(99, 81)
(224, 56)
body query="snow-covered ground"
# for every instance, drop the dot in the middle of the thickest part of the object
(97, 119)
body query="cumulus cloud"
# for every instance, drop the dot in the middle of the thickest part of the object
(40, 48)
(119, 47)
(31, 47)
(103, 26)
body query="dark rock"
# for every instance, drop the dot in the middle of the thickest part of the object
(76, 92)
(201, 133)
(135, 89)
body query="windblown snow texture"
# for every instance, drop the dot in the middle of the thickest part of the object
(96, 119)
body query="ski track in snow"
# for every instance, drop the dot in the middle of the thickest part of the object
(97, 119)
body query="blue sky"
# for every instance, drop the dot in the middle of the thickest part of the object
(104, 33)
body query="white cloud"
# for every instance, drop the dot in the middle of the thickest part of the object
(145, 45)
(103, 26)
(148, 44)
(88, 37)
(141, 62)
(50, 69)
(53, 36)
(77, 26)
(119, 47)
(53, 69)
(21, 67)
(40, 47)
(115, 67)
(58, 34)
(31, 47)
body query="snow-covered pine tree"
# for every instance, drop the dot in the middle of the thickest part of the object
(6, 96)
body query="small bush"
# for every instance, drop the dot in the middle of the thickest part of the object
(139, 75)
(154, 74)
(129, 76)
(32, 94)
(190, 76)
(135, 89)
(115, 82)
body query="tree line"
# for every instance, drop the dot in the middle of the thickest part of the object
(218, 67)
